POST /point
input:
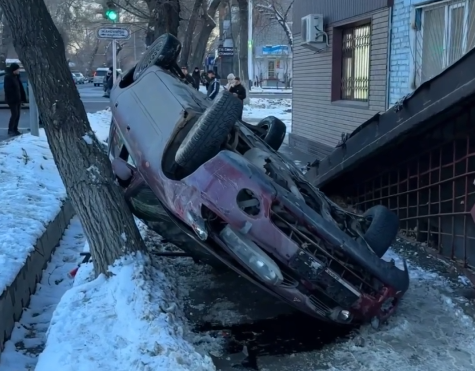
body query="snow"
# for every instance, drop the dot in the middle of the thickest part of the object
(255, 111)
(259, 90)
(32, 194)
(428, 332)
(28, 336)
(29, 177)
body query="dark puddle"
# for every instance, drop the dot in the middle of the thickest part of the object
(279, 336)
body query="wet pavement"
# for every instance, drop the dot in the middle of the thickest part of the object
(243, 328)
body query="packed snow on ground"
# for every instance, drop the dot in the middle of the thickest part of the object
(271, 90)
(429, 331)
(130, 321)
(29, 335)
(32, 193)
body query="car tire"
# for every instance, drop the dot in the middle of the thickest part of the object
(95, 84)
(382, 230)
(163, 53)
(275, 131)
(208, 134)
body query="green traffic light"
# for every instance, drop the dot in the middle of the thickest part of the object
(111, 15)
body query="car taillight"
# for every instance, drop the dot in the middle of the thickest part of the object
(95, 74)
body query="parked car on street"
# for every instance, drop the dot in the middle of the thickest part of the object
(217, 188)
(24, 80)
(79, 78)
(100, 75)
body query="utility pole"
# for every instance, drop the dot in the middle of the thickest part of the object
(250, 54)
(112, 15)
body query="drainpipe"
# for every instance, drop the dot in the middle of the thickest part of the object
(388, 73)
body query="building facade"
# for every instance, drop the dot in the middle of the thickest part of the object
(426, 38)
(342, 80)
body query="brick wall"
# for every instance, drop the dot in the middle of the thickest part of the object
(402, 57)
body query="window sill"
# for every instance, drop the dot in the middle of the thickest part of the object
(351, 104)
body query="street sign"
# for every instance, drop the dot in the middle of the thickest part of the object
(226, 51)
(114, 33)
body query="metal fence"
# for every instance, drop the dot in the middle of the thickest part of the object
(430, 183)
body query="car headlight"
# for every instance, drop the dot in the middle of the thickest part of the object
(252, 256)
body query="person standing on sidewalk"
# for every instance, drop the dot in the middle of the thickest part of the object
(214, 85)
(188, 77)
(15, 96)
(239, 91)
(196, 76)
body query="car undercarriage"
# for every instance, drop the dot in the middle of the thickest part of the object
(217, 187)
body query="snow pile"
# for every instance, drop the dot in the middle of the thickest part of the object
(32, 194)
(258, 90)
(100, 123)
(29, 335)
(263, 107)
(428, 332)
(129, 321)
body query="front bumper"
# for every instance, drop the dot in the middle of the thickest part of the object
(216, 185)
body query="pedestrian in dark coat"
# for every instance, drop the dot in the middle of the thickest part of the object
(196, 76)
(239, 91)
(15, 96)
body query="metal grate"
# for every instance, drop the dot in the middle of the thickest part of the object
(433, 190)
(355, 63)
(444, 33)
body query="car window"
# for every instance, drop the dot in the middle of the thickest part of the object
(101, 73)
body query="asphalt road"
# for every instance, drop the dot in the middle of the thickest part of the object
(91, 97)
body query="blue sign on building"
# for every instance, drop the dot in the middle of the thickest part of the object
(275, 50)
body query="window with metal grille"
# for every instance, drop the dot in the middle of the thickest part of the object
(355, 63)
(444, 33)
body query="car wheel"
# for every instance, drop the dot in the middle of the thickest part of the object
(273, 131)
(95, 84)
(162, 53)
(207, 135)
(382, 229)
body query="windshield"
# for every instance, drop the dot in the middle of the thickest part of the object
(101, 73)
(78, 75)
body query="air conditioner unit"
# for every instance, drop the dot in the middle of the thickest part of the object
(313, 34)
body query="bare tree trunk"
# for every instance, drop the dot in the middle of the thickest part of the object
(6, 43)
(243, 47)
(208, 26)
(83, 165)
(190, 29)
(93, 56)
(164, 18)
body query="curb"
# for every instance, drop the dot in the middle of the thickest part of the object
(17, 296)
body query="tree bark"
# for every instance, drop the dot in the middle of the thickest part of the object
(208, 26)
(6, 43)
(190, 29)
(243, 45)
(83, 165)
(164, 18)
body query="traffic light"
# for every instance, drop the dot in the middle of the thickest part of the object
(111, 11)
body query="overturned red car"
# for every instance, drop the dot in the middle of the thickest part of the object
(218, 188)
